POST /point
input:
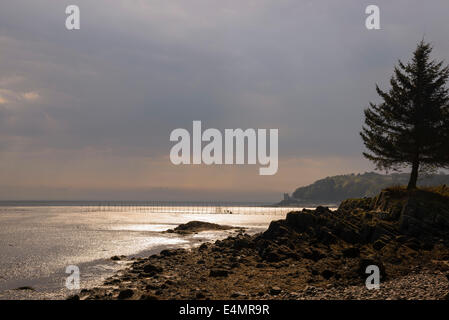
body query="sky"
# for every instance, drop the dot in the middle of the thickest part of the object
(87, 114)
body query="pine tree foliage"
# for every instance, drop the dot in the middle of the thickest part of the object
(410, 128)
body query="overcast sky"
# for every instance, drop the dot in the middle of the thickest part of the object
(87, 114)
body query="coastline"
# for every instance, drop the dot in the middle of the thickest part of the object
(208, 272)
(95, 272)
(36, 256)
(311, 254)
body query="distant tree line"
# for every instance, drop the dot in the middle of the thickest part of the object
(338, 188)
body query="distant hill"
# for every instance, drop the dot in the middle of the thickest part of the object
(337, 188)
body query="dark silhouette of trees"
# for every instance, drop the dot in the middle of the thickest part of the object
(411, 126)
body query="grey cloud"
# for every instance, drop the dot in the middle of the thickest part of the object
(138, 69)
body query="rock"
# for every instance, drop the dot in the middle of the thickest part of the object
(203, 247)
(350, 235)
(115, 258)
(197, 226)
(276, 230)
(351, 252)
(425, 217)
(275, 291)
(300, 221)
(151, 287)
(168, 253)
(412, 244)
(272, 256)
(310, 290)
(351, 204)
(446, 296)
(25, 288)
(322, 210)
(218, 273)
(313, 254)
(112, 281)
(401, 239)
(246, 261)
(238, 294)
(167, 283)
(378, 244)
(242, 243)
(327, 274)
(126, 294)
(326, 236)
(151, 268)
(148, 297)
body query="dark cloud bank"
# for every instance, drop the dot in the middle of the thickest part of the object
(88, 113)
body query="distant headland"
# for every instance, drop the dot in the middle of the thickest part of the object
(334, 189)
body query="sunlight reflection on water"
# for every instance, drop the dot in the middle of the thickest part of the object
(38, 242)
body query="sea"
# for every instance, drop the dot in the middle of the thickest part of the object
(39, 240)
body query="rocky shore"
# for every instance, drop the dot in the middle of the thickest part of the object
(198, 226)
(311, 254)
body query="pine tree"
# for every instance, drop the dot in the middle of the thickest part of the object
(410, 128)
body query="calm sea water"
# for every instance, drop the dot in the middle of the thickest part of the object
(38, 241)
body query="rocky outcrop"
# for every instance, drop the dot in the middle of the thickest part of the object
(425, 220)
(422, 217)
(198, 226)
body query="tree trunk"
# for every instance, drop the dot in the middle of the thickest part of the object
(413, 176)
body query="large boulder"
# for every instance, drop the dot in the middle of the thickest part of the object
(424, 220)
(151, 268)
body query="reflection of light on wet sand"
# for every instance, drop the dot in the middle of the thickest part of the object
(159, 241)
(143, 227)
(211, 235)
